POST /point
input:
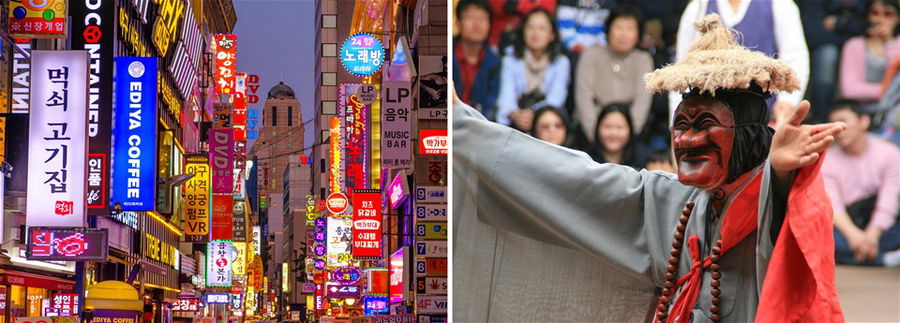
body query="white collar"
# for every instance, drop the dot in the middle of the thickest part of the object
(729, 17)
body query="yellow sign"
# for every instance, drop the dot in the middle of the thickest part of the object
(239, 266)
(160, 251)
(128, 31)
(37, 18)
(196, 192)
(165, 28)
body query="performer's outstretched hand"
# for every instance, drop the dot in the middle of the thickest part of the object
(796, 145)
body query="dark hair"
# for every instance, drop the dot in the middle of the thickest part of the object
(598, 141)
(480, 4)
(549, 109)
(624, 12)
(660, 155)
(555, 48)
(890, 3)
(851, 105)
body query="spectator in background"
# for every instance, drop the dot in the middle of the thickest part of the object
(827, 24)
(767, 26)
(614, 73)
(865, 58)
(615, 140)
(581, 23)
(506, 17)
(476, 72)
(551, 126)
(535, 75)
(661, 160)
(862, 179)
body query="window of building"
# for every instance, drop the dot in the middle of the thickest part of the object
(322, 164)
(274, 114)
(329, 21)
(329, 107)
(322, 193)
(329, 78)
(290, 116)
(329, 50)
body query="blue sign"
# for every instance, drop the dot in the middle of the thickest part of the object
(134, 134)
(362, 54)
(375, 305)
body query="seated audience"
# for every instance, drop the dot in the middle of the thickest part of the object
(535, 75)
(862, 179)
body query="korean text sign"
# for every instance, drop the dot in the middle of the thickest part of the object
(68, 244)
(354, 114)
(57, 145)
(39, 19)
(221, 156)
(134, 134)
(218, 268)
(222, 208)
(340, 234)
(196, 191)
(367, 223)
(362, 54)
(396, 125)
(226, 59)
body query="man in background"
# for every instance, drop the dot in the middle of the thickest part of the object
(476, 68)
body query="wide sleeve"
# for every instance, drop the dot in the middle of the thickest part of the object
(506, 100)
(560, 196)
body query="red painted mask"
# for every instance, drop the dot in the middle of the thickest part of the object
(702, 136)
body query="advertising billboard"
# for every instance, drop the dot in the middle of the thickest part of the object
(221, 156)
(134, 134)
(367, 224)
(222, 209)
(197, 198)
(225, 51)
(396, 125)
(362, 54)
(354, 113)
(37, 19)
(398, 282)
(218, 267)
(57, 145)
(67, 244)
(340, 234)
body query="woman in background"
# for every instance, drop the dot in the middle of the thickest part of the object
(865, 58)
(535, 75)
(615, 140)
(551, 126)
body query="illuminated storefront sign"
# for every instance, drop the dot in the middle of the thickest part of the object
(57, 147)
(375, 305)
(196, 191)
(134, 134)
(336, 164)
(338, 291)
(218, 267)
(69, 244)
(354, 114)
(346, 275)
(340, 234)
(129, 32)
(239, 267)
(186, 305)
(433, 142)
(239, 222)
(253, 114)
(222, 209)
(285, 276)
(399, 284)
(127, 218)
(64, 305)
(257, 239)
(221, 155)
(166, 26)
(362, 54)
(21, 78)
(93, 27)
(225, 49)
(367, 224)
(217, 298)
(398, 191)
(38, 19)
(160, 251)
(396, 125)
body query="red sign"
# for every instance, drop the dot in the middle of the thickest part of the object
(320, 205)
(64, 304)
(222, 208)
(367, 224)
(378, 282)
(354, 115)
(226, 59)
(75, 244)
(186, 305)
(398, 283)
(337, 203)
(436, 266)
(433, 142)
(39, 281)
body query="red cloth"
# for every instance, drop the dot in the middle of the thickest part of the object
(467, 71)
(799, 282)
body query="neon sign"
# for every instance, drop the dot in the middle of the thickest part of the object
(69, 244)
(362, 54)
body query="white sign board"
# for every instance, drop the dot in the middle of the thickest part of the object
(432, 114)
(431, 194)
(431, 212)
(427, 304)
(436, 285)
(432, 249)
(396, 125)
(57, 145)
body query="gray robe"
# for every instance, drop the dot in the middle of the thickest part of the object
(579, 211)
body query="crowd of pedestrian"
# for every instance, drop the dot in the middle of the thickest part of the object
(571, 72)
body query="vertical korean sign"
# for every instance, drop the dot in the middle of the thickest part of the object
(336, 179)
(38, 19)
(57, 146)
(218, 267)
(396, 133)
(226, 55)
(93, 28)
(354, 113)
(222, 207)
(134, 134)
(221, 156)
(367, 224)
(196, 191)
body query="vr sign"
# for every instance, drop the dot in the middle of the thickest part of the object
(134, 134)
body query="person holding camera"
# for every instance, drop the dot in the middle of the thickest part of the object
(535, 75)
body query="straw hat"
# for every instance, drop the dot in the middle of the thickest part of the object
(716, 61)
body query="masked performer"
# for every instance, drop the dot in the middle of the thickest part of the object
(745, 229)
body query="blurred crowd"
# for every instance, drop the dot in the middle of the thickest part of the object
(570, 72)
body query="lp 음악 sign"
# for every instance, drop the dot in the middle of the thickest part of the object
(134, 134)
